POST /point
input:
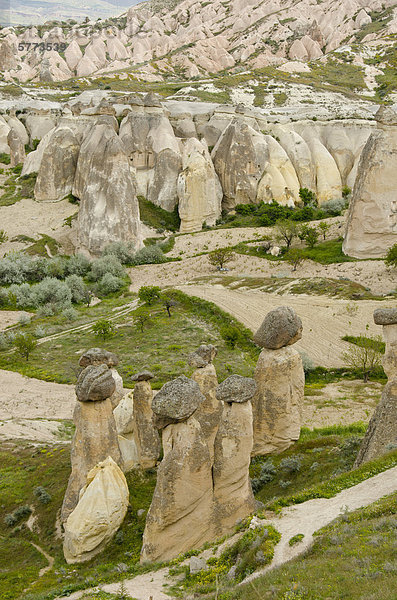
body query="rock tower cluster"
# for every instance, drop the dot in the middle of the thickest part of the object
(381, 434)
(209, 433)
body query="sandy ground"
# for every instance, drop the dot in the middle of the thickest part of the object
(31, 218)
(31, 409)
(8, 318)
(325, 320)
(370, 274)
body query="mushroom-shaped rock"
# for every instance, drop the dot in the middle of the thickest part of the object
(203, 356)
(281, 327)
(236, 389)
(385, 316)
(142, 376)
(95, 383)
(177, 400)
(98, 356)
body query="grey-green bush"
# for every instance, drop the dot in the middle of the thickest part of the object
(78, 288)
(78, 265)
(110, 284)
(150, 255)
(53, 291)
(335, 207)
(106, 264)
(123, 252)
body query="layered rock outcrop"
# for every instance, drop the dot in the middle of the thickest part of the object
(372, 221)
(381, 435)
(280, 381)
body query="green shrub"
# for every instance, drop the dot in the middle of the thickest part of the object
(5, 158)
(123, 252)
(106, 264)
(104, 328)
(42, 495)
(109, 284)
(308, 197)
(391, 256)
(25, 344)
(149, 294)
(150, 255)
(230, 335)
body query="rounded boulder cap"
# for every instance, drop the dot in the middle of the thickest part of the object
(142, 376)
(281, 327)
(95, 383)
(98, 356)
(385, 316)
(236, 389)
(203, 356)
(178, 399)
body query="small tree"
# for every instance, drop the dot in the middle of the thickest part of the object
(149, 294)
(391, 256)
(220, 257)
(324, 228)
(308, 197)
(143, 320)
(295, 257)
(25, 344)
(302, 232)
(168, 303)
(286, 230)
(311, 237)
(364, 355)
(3, 236)
(104, 328)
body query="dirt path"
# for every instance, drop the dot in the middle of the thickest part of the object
(303, 518)
(325, 320)
(309, 517)
(50, 559)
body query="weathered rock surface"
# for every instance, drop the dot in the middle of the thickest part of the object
(203, 356)
(199, 190)
(236, 389)
(372, 221)
(95, 383)
(94, 440)
(381, 436)
(385, 316)
(146, 436)
(99, 513)
(177, 400)
(109, 209)
(233, 498)
(180, 515)
(58, 166)
(17, 148)
(209, 412)
(98, 356)
(281, 327)
(278, 400)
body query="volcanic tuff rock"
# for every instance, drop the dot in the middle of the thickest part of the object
(17, 148)
(236, 389)
(146, 436)
(372, 220)
(109, 209)
(177, 400)
(99, 513)
(193, 38)
(203, 356)
(98, 356)
(95, 383)
(278, 401)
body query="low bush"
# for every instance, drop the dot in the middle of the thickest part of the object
(106, 264)
(149, 255)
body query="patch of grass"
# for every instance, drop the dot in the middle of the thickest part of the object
(364, 341)
(22, 470)
(157, 217)
(327, 253)
(5, 158)
(192, 323)
(39, 247)
(18, 188)
(353, 557)
(296, 539)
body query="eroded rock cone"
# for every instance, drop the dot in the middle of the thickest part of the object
(99, 513)
(17, 148)
(280, 381)
(233, 497)
(179, 517)
(95, 437)
(146, 435)
(381, 435)
(209, 412)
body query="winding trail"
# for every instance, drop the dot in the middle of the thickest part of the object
(306, 518)
(310, 516)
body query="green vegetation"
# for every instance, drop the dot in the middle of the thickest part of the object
(220, 257)
(5, 158)
(18, 187)
(352, 557)
(157, 217)
(193, 322)
(364, 354)
(296, 539)
(391, 256)
(39, 247)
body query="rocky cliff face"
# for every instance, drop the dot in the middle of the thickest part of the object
(194, 37)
